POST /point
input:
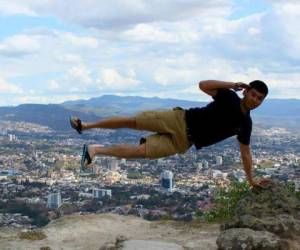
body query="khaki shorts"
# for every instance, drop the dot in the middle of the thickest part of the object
(170, 128)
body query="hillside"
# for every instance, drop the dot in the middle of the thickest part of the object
(96, 231)
(53, 116)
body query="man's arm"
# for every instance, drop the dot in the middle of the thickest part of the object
(210, 87)
(247, 162)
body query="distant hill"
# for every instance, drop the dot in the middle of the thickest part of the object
(279, 108)
(279, 113)
(108, 105)
(273, 112)
(51, 115)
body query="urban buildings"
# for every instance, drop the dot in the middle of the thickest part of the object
(99, 193)
(54, 200)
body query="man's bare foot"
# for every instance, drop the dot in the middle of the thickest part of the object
(83, 125)
(92, 151)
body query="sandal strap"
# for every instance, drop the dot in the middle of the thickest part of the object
(86, 158)
(76, 124)
(79, 126)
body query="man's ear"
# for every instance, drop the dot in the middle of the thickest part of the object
(245, 92)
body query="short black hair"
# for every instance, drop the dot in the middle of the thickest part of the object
(260, 86)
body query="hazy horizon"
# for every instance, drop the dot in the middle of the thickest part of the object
(85, 99)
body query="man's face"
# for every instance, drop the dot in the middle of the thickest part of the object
(253, 98)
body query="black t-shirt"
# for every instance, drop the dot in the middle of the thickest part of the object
(219, 120)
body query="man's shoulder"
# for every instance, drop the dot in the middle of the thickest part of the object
(248, 121)
(226, 94)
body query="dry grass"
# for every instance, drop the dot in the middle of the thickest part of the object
(32, 235)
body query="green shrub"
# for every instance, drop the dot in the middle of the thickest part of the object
(225, 202)
(166, 217)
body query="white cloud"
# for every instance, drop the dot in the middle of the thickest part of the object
(13, 8)
(192, 93)
(9, 88)
(283, 85)
(188, 69)
(254, 31)
(118, 13)
(177, 32)
(53, 85)
(80, 41)
(70, 58)
(79, 76)
(41, 52)
(170, 76)
(148, 32)
(288, 15)
(45, 99)
(111, 79)
(19, 45)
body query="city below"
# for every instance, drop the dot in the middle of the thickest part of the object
(40, 178)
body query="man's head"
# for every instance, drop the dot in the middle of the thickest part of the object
(260, 86)
(255, 94)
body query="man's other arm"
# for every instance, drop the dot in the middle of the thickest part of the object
(247, 162)
(210, 87)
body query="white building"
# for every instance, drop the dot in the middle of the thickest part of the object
(99, 193)
(205, 164)
(219, 160)
(12, 137)
(199, 166)
(54, 200)
(167, 180)
(85, 195)
(218, 174)
(114, 165)
(240, 175)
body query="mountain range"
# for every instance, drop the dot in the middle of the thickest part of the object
(273, 112)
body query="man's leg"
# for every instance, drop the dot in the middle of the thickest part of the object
(122, 151)
(115, 122)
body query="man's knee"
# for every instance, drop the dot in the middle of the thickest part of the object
(142, 150)
(132, 122)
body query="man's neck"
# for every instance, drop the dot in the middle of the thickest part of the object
(244, 109)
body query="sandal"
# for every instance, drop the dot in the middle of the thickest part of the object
(76, 124)
(85, 158)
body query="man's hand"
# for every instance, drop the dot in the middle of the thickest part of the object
(211, 87)
(240, 86)
(259, 183)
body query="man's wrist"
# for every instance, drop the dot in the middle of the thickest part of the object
(251, 181)
(236, 86)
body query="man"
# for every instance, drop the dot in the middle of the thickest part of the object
(177, 130)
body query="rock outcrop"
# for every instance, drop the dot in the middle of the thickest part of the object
(268, 218)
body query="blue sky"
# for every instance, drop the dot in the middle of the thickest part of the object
(54, 51)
